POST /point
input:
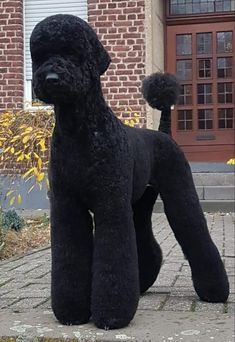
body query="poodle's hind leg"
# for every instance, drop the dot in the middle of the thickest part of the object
(72, 248)
(186, 218)
(149, 251)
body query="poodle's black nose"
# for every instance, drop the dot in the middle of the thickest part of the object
(52, 77)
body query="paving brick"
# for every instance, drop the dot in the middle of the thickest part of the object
(151, 301)
(184, 292)
(184, 281)
(27, 303)
(27, 293)
(207, 307)
(25, 282)
(178, 304)
(45, 305)
(4, 303)
(165, 279)
(231, 308)
(4, 280)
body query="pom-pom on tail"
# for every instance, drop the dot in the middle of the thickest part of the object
(161, 91)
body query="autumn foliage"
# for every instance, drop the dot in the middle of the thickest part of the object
(24, 144)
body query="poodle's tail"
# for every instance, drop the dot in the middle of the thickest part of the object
(161, 91)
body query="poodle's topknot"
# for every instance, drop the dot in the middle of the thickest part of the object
(160, 90)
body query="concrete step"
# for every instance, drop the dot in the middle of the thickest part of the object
(148, 325)
(216, 192)
(214, 179)
(210, 206)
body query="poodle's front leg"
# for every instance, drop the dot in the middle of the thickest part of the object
(72, 244)
(115, 283)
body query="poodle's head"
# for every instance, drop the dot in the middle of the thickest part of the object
(67, 58)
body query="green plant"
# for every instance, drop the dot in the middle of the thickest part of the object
(45, 220)
(11, 220)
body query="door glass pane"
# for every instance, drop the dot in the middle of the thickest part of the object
(224, 42)
(196, 7)
(204, 68)
(204, 93)
(225, 118)
(189, 7)
(205, 119)
(224, 6)
(185, 121)
(224, 67)
(184, 70)
(184, 44)
(204, 43)
(185, 97)
(225, 93)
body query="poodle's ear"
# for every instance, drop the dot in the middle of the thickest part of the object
(101, 57)
(99, 54)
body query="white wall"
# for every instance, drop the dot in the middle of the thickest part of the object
(154, 29)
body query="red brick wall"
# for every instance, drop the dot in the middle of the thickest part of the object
(120, 26)
(11, 54)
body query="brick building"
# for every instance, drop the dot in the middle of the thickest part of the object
(193, 39)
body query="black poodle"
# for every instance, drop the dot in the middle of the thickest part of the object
(98, 165)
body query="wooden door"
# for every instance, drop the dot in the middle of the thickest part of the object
(203, 58)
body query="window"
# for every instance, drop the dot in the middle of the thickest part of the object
(204, 43)
(224, 6)
(226, 119)
(225, 93)
(182, 7)
(205, 119)
(204, 93)
(224, 67)
(224, 42)
(184, 69)
(35, 11)
(185, 121)
(185, 97)
(204, 68)
(183, 44)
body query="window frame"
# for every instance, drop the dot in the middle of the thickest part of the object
(197, 18)
(169, 14)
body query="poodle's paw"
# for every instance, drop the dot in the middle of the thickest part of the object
(72, 317)
(212, 291)
(110, 323)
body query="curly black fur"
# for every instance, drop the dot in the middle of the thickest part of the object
(160, 90)
(99, 165)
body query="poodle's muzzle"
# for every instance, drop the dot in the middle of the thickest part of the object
(59, 80)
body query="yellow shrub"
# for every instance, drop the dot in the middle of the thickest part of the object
(24, 140)
(231, 161)
(24, 143)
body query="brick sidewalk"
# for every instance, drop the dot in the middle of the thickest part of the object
(25, 292)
